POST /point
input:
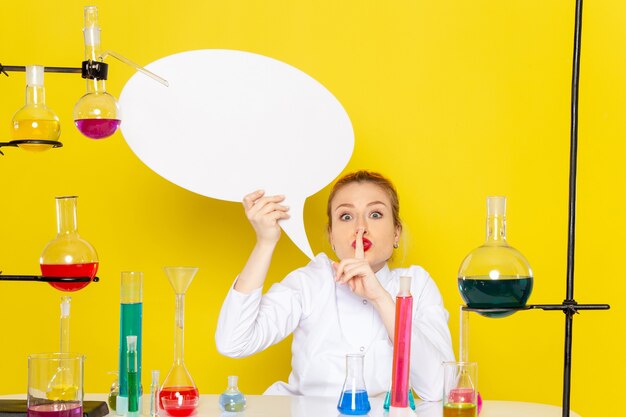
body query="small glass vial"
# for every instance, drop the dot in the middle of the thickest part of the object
(154, 394)
(354, 399)
(232, 399)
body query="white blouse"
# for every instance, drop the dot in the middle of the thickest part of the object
(328, 321)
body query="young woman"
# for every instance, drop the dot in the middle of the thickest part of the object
(335, 308)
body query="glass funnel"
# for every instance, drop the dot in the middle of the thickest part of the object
(179, 395)
(495, 275)
(68, 255)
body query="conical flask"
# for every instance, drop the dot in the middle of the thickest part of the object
(179, 395)
(68, 255)
(35, 121)
(354, 399)
(495, 275)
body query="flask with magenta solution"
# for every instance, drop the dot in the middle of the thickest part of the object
(354, 399)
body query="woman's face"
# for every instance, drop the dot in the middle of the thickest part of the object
(363, 205)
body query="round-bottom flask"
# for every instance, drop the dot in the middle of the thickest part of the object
(495, 275)
(35, 125)
(179, 395)
(354, 399)
(68, 255)
(232, 400)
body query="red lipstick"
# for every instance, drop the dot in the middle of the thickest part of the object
(366, 244)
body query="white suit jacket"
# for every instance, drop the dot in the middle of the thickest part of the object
(328, 321)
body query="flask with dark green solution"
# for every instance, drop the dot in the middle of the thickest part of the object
(495, 275)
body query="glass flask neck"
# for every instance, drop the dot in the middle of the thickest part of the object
(96, 86)
(66, 215)
(91, 32)
(354, 366)
(35, 95)
(232, 383)
(496, 230)
(496, 220)
(179, 330)
(65, 323)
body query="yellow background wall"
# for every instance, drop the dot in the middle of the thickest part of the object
(453, 100)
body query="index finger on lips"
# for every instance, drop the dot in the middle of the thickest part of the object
(359, 252)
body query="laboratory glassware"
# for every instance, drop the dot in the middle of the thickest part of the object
(65, 323)
(179, 395)
(387, 402)
(114, 391)
(51, 396)
(402, 345)
(460, 388)
(97, 113)
(354, 399)
(232, 400)
(131, 310)
(154, 394)
(68, 255)
(133, 380)
(495, 275)
(35, 121)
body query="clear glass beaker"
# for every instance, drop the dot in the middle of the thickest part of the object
(51, 392)
(179, 395)
(35, 121)
(354, 399)
(460, 389)
(495, 275)
(68, 255)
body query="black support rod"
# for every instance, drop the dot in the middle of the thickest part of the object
(40, 278)
(22, 68)
(571, 227)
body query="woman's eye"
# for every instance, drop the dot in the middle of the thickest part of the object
(376, 215)
(345, 217)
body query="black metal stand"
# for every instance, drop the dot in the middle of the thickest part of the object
(90, 69)
(46, 279)
(569, 306)
(17, 143)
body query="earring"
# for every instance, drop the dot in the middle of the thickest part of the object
(334, 248)
(395, 245)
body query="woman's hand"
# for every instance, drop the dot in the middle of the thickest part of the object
(358, 273)
(264, 214)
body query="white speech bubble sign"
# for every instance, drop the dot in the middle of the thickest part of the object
(232, 122)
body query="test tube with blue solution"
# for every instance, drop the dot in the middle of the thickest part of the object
(354, 399)
(131, 307)
(133, 386)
